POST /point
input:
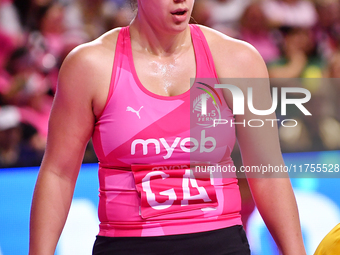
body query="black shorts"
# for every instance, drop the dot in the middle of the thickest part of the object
(226, 241)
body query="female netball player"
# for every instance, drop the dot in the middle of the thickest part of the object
(130, 90)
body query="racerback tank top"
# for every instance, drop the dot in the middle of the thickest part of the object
(163, 164)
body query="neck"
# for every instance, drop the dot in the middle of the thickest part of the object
(160, 43)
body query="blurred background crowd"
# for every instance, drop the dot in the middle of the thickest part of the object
(296, 38)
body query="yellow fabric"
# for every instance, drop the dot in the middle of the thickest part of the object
(330, 245)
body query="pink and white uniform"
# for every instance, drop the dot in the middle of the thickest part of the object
(147, 143)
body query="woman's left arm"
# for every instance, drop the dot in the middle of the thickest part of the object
(259, 146)
(272, 192)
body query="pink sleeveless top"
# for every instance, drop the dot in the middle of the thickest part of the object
(155, 152)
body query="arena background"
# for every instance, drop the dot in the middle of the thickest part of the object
(298, 39)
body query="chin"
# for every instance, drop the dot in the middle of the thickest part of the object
(177, 28)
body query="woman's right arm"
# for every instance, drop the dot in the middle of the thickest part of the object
(70, 128)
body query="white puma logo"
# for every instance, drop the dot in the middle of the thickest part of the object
(130, 109)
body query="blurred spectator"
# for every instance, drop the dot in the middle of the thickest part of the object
(333, 71)
(85, 15)
(16, 141)
(9, 38)
(10, 20)
(299, 58)
(9, 146)
(30, 12)
(254, 28)
(225, 15)
(28, 91)
(293, 13)
(317, 132)
(327, 30)
(95, 17)
(321, 130)
(295, 38)
(6, 47)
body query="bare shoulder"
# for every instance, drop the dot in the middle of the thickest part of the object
(86, 71)
(234, 58)
(93, 56)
